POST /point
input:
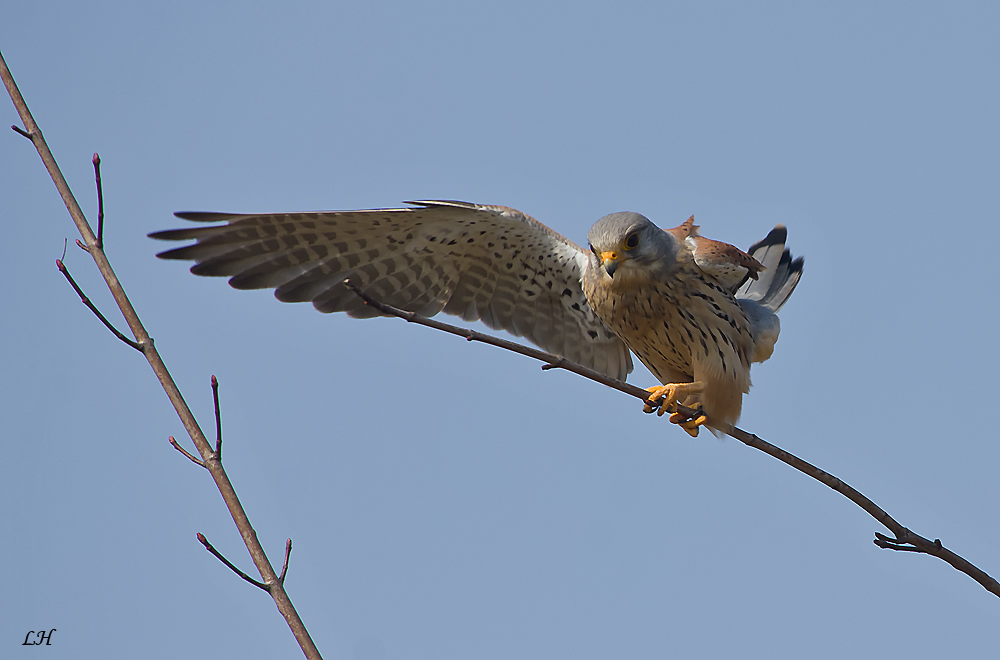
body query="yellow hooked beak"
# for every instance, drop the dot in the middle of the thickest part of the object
(611, 260)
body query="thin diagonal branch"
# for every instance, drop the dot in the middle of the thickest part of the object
(211, 548)
(86, 301)
(21, 131)
(551, 360)
(142, 338)
(904, 540)
(195, 460)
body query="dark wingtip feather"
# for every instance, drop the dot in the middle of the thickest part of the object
(175, 253)
(191, 232)
(206, 216)
(170, 235)
(783, 274)
(776, 236)
(782, 290)
(794, 266)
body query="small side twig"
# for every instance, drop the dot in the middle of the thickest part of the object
(211, 548)
(284, 567)
(86, 301)
(883, 541)
(218, 418)
(904, 540)
(21, 131)
(194, 459)
(100, 203)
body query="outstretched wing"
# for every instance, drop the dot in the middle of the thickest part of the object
(479, 262)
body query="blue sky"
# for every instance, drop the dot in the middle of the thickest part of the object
(449, 500)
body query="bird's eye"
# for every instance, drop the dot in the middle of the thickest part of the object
(632, 241)
(594, 250)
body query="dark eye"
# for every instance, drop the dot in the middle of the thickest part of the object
(632, 241)
(595, 252)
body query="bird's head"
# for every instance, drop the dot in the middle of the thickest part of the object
(628, 245)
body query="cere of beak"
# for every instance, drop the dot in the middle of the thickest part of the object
(610, 262)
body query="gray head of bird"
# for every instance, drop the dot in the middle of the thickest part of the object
(627, 245)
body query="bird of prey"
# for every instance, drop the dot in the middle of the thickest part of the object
(695, 311)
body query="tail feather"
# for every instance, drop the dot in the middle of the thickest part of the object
(782, 273)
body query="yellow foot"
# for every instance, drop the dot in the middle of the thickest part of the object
(668, 395)
(689, 424)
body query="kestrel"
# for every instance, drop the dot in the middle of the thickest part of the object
(695, 311)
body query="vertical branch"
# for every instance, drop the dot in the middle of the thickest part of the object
(218, 418)
(100, 202)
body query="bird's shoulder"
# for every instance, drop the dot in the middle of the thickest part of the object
(726, 263)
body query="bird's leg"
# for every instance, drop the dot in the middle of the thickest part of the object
(670, 393)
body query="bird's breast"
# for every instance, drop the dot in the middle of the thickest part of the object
(676, 323)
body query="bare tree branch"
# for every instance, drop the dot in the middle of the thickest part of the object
(904, 540)
(145, 344)
(86, 301)
(218, 418)
(195, 460)
(100, 202)
(551, 360)
(211, 548)
(284, 567)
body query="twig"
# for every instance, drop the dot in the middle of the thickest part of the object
(187, 453)
(218, 419)
(211, 548)
(883, 541)
(100, 202)
(86, 301)
(904, 540)
(281, 600)
(21, 131)
(284, 567)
